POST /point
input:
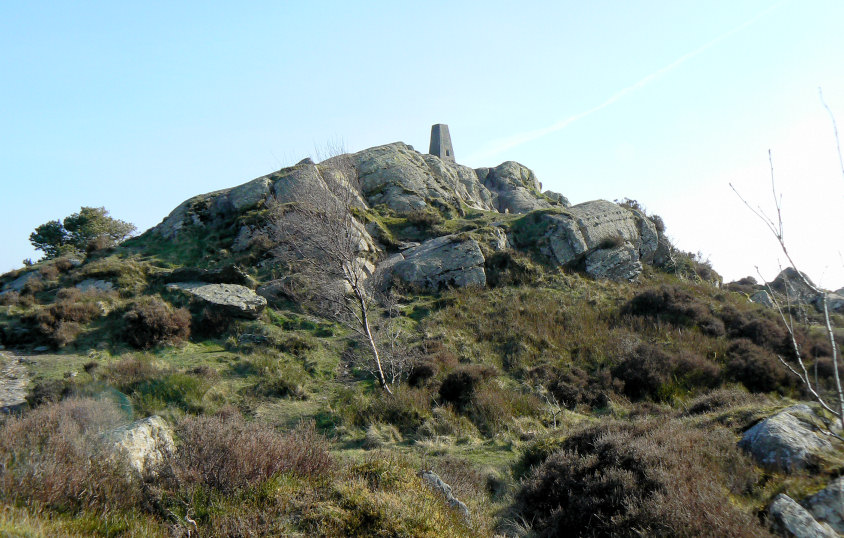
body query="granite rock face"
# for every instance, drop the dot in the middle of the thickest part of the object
(143, 445)
(786, 441)
(438, 263)
(229, 299)
(791, 519)
(404, 180)
(827, 505)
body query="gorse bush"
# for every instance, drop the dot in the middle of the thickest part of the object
(150, 321)
(652, 478)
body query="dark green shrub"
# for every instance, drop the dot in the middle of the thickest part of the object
(648, 478)
(421, 372)
(150, 321)
(754, 367)
(459, 387)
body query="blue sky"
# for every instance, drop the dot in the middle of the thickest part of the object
(139, 106)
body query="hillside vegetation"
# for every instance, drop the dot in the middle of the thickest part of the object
(566, 378)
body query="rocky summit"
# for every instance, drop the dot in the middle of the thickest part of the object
(389, 343)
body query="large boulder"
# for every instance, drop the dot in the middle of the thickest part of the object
(404, 180)
(617, 263)
(228, 299)
(438, 263)
(827, 505)
(791, 519)
(788, 440)
(229, 274)
(143, 445)
(515, 188)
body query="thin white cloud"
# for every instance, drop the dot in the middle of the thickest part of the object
(504, 144)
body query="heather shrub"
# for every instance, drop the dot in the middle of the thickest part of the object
(644, 372)
(150, 321)
(651, 477)
(692, 370)
(754, 367)
(674, 305)
(13, 298)
(55, 455)
(723, 398)
(753, 326)
(227, 453)
(573, 386)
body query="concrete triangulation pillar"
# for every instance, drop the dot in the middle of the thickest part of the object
(441, 142)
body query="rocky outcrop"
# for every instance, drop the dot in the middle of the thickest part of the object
(611, 240)
(228, 299)
(791, 519)
(436, 483)
(403, 179)
(827, 505)
(143, 445)
(438, 263)
(514, 187)
(786, 441)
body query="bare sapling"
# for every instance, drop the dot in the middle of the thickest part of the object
(322, 244)
(834, 404)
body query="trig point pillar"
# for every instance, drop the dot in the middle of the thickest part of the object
(441, 142)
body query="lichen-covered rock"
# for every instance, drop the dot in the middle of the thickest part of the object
(515, 187)
(557, 198)
(618, 263)
(229, 299)
(143, 445)
(791, 519)
(403, 179)
(788, 440)
(438, 263)
(827, 505)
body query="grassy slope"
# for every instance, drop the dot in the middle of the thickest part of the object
(519, 341)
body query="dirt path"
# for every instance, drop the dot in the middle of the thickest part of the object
(13, 381)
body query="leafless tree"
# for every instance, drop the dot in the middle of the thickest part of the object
(835, 405)
(321, 242)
